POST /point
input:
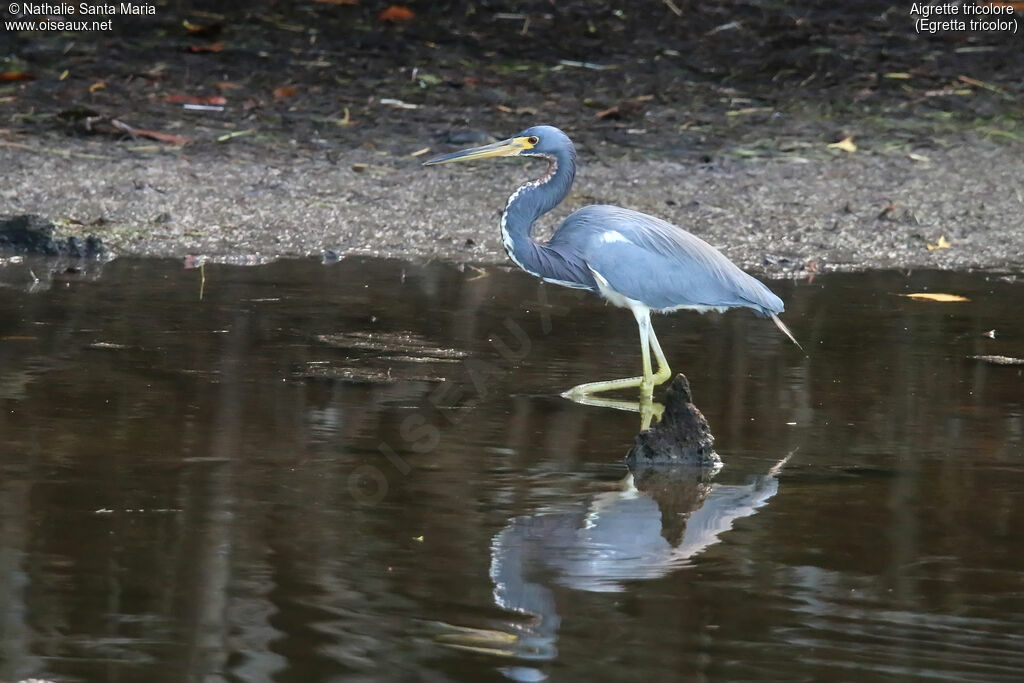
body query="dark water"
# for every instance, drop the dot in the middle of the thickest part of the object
(272, 484)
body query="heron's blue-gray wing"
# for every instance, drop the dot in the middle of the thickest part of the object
(649, 260)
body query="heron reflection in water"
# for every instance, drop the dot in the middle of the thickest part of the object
(658, 520)
(633, 260)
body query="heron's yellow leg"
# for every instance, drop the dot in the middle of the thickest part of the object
(599, 387)
(664, 372)
(648, 380)
(648, 409)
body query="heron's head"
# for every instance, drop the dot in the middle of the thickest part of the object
(537, 141)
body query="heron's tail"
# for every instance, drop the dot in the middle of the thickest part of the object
(785, 330)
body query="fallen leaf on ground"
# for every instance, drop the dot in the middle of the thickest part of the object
(846, 144)
(103, 125)
(203, 30)
(98, 85)
(212, 47)
(749, 110)
(631, 107)
(177, 98)
(235, 134)
(886, 213)
(283, 92)
(227, 85)
(930, 296)
(584, 65)
(161, 136)
(395, 14)
(941, 244)
(524, 111)
(399, 104)
(16, 76)
(980, 84)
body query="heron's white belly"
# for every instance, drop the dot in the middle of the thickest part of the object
(699, 309)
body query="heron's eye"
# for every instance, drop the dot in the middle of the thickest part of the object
(533, 139)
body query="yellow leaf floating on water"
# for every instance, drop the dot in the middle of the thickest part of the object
(945, 298)
(942, 244)
(846, 144)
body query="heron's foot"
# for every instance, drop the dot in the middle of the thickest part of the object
(581, 390)
(649, 410)
(646, 385)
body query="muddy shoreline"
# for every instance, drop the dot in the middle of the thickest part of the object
(792, 215)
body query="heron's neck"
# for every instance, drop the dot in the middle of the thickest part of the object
(530, 202)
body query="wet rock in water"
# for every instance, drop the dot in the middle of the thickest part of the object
(682, 437)
(31, 234)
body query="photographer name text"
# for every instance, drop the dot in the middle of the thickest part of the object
(64, 9)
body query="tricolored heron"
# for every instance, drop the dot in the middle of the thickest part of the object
(633, 260)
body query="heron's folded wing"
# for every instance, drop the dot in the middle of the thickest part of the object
(650, 260)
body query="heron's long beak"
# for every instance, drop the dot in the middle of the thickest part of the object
(506, 148)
